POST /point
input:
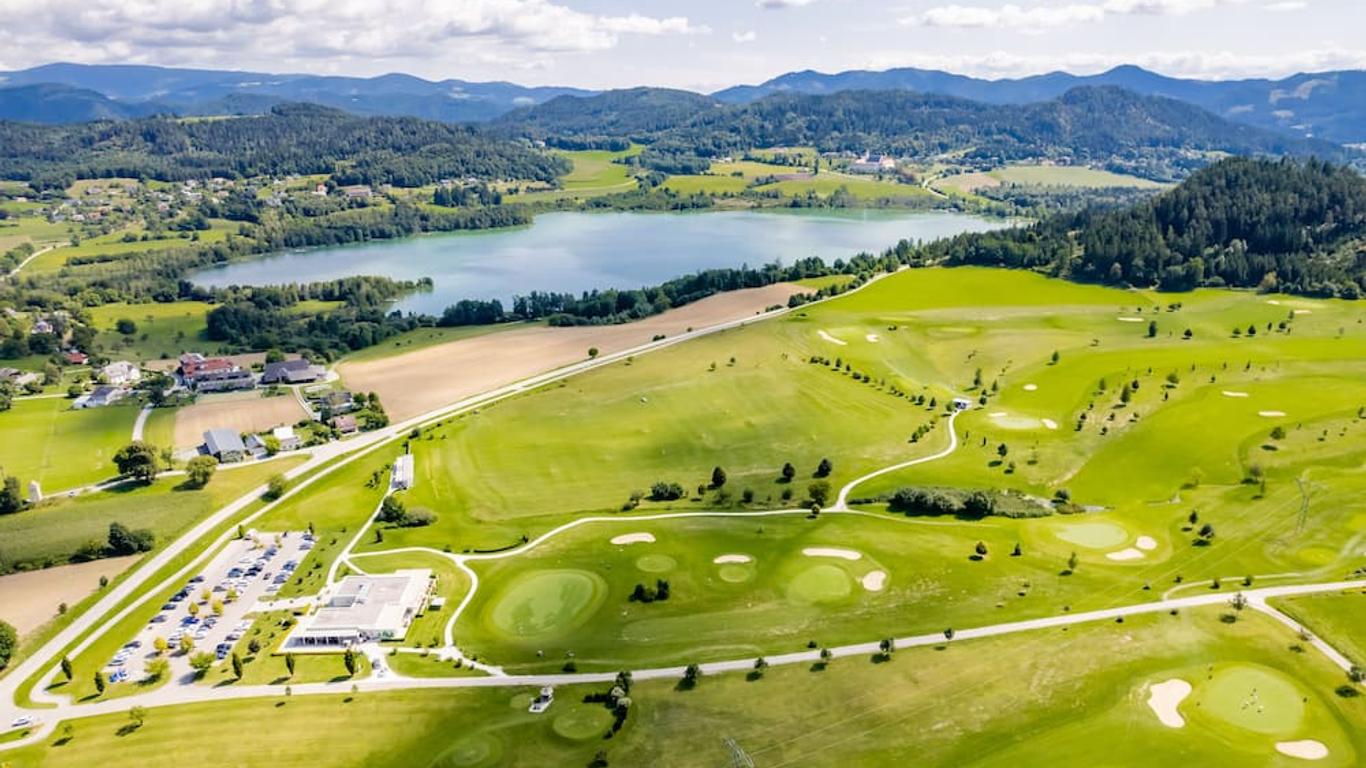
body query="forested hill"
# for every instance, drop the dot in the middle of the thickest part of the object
(1298, 227)
(295, 138)
(1090, 124)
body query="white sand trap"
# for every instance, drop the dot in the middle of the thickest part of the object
(875, 581)
(1303, 312)
(1305, 749)
(1131, 319)
(1031, 387)
(634, 538)
(1271, 414)
(1051, 424)
(1229, 393)
(1146, 543)
(1273, 302)
(1010, 421)
(843, 554)
(872, 337)
(724, 559)
(1164, 698)
(830, 338)
(1126, 554)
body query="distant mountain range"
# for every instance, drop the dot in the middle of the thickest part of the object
(68, 93)
(1326, 105)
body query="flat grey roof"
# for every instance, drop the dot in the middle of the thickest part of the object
(223, 441)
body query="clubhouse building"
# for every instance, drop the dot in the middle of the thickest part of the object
(363, 609)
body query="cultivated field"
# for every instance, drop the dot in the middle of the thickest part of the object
(248, 411)
(419, 381)
(30, 599)
(162, 330)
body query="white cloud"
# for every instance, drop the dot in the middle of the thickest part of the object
(520, 32)
(1287, 6)
(1039, 17)
(748, 36)
(780, 4)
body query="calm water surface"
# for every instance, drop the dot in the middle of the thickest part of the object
(575, 252)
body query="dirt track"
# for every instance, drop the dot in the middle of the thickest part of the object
(420, 381)
(240, 411)
(30, 599)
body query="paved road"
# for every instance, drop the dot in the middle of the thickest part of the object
(327, 459)
(184, 694)
(141, 422)
(31, 257)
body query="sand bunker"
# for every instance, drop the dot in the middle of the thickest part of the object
(1030, 387)
(872, 337)
(1146, 543)
(1305, 749)
(1125, 554)
(1228, 393)
(843, 554)
(1271, 414)
(634, 538)
(875, 581)
(830, 338)
(1163, 699)
(1051, 424)
(1009, 421)
(724, 559)
(1131, 319)
(1303, 311)
(1273, 302)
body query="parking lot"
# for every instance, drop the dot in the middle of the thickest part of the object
(211, 609)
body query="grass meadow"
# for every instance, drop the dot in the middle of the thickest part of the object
(46, 440)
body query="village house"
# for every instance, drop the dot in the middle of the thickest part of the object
(298, 371)
(121, 373)
(102, 395)
(213, 374)
(286, 438)
(224, 445)
(345, 424)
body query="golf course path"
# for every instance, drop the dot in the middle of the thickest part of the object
(185, 694)
(141, 422)
(324, 460)
(841, 503)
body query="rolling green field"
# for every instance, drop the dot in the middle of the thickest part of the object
(163, 330)
(1070, 176)
(1052, 697)
(47, 441)
(1339, 619)
(595, 173)
(735, 177)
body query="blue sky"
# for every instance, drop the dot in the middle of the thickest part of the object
(700, 44)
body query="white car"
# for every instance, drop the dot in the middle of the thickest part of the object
(23, 721)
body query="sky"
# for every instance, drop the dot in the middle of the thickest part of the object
(695, 44)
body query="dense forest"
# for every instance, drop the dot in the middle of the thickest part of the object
(1150, 135)
(291, 139)
(1282, 225)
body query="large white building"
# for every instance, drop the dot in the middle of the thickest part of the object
(364, 609)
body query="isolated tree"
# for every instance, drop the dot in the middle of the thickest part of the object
(1194, 517)
(201, 662)
(1056, 357)
(99, 683)
(981, 549)
(789, 472)
(1016, 552)
(592, 353)
(9, 642)
(253, 646)
(275, 487)
(199, 471)
(819, 491)
(1207, 532)
(289, 663)
(886, 646)
(11, 497)
(824, 468)
(160, 644)
(137, 716)
(1002, 450)
(1072, 562)
(236, 666)
(1278, 433)
(348, 658)
(718, 477)
(1152, 328)
(186, 644)
(66, 668)
(138, 460)
(948, 633)
(760, 664)
(826, 655)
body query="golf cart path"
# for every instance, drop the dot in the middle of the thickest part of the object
(102, 615)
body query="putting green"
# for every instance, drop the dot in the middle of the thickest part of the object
(736, 574)
(819, 584)
(1093, 535)
(474, 751)
(547, 603)
(583, 721)
(1252, 698)
(656, 563)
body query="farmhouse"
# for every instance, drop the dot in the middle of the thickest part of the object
(344, 424)
(213, 374)
(366, 608)
(224, 445)
(286, 437)
(121, 373)
(356, 191)
(290, 372)
(102, 396)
